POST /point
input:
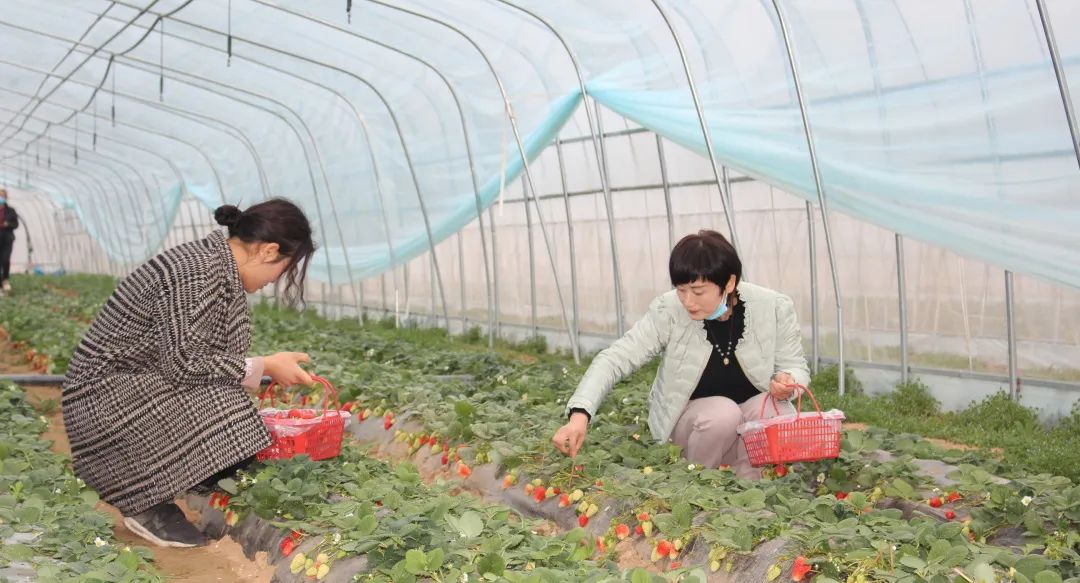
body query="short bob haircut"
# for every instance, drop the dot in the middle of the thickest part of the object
(704, 255)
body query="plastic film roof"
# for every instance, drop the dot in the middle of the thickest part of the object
(942, 121)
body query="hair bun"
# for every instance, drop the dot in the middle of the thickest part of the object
(227, 215)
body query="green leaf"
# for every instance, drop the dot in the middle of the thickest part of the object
(752, 499)
(912, 561)
(415, 561)
(1047, 577)
(129, 560)
(470, 525)
(229, 485)
(492, 563)
(640, 575)
(464, 409)
(683, 514)
(938, 551)
(367, 525)
(436, 559)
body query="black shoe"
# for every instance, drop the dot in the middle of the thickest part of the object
(166, 526)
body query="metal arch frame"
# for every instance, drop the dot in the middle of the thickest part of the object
(573, 263)
(596, 136)
(819, 186)
(209, 162)
(120, 179)
(725, 197)
(517, 139)
(1059, 74)
(314, 143)
(38, 194)
(191, 115)
(160, 69)
(76, 175)
(465, 134)
(176, 171)
(318, 155)
(40, 100)
(41, 207)
(120, 161)
(62, 178)
(359, 118)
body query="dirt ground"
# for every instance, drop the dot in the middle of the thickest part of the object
(221, 560)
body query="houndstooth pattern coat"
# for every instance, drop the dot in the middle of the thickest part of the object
(152, 401)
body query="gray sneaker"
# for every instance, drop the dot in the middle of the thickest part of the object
(166, 526)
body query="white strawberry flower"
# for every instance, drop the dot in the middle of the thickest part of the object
(1026, 500)
(98, 542)
(691, 467)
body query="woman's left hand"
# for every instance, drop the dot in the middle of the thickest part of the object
(781, 387)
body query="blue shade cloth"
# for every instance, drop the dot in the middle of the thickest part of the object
(942, 121)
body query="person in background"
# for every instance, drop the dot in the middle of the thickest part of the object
(154, 401)
(727, 345)
(9, 221)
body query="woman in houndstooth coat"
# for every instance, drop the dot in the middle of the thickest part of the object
(153, 401)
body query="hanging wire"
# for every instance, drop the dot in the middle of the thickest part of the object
(112, 68)
(94, 117)
(48, 145)
(161, 62)
(228, 38)
(348, 11)
(76, 137)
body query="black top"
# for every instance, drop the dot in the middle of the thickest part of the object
(9, 219)
(723, 376)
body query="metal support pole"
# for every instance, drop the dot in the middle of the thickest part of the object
(575, 328)
(1010, 331)
(532, 258)
(901, 289)
(494, 276)
(667, 192)
(725, 197)
(820, 187)
(815, 310)
(1059, 72)
(609, 208)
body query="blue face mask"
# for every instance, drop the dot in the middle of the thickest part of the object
(3, 200)
(720, 310)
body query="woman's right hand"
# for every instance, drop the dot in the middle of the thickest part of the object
(570, 437)
(284, 368)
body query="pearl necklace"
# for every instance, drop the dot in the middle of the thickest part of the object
(725, 352)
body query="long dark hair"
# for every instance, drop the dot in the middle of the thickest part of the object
(275, 221)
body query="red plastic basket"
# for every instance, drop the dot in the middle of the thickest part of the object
(793, 438)
(316, 433)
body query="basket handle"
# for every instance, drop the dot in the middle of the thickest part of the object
(328, 393)
(798, 401)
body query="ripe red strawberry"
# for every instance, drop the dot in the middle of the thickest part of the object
(348, 406)
(643, 516)
(622, 531)
(564, 501)
(388, 421)
(539, 494)
(781, 470)
(665, 548)
(378, 503)
(800, 569)
(639, 531)
(841, 495)
(949, 514)
(296, 535)
(936, 502)
(582, 520)
(463, 470)
(214, 499)
(287, 546)
(223, 501)
(445, 459)
(600, 544)
(365, 414)
(953, 497)
(557, 491)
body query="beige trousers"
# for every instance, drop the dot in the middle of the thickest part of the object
(706, 431)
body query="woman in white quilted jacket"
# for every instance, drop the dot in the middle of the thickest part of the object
(726, 345)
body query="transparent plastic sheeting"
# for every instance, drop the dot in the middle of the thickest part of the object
(942, 121)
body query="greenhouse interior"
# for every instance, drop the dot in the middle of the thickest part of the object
(428, 291)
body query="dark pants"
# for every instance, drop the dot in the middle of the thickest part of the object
(7, 244)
